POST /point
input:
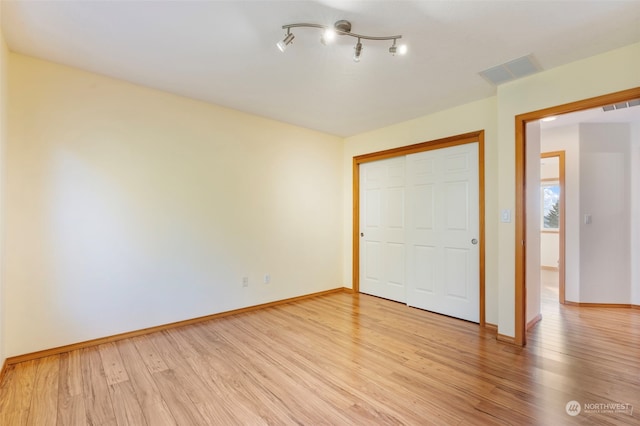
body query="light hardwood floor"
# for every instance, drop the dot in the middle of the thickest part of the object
(339, 359)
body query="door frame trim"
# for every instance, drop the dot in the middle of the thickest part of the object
(521, 121)
(562, 231)
(462, 139)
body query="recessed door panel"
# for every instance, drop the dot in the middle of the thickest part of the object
(395, 208)
(423, 204)
(456, 196)
(424, 270)
(372, 208)
(458, 162)
(372, 260)
(455, 275)
(394, 264)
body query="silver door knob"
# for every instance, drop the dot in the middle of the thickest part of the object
(474, 241)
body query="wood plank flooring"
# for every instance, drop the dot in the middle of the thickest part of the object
(340, 359)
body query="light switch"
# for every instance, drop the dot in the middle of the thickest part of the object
(505, 216)
(587, 219)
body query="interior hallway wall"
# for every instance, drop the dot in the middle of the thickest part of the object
(634, 160)
(605, 225)
(532, 266)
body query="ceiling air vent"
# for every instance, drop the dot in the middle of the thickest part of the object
(621, 105)
(511, 70)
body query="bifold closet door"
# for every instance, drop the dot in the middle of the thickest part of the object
(442, 235)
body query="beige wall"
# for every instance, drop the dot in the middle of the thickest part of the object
(4, 53)
(129, 207)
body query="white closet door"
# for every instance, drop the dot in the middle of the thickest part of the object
(382, 229)
(443, 230)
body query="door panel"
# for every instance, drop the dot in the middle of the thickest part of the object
(443, 262)
(382, 224)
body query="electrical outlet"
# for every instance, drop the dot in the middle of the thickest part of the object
(267, 278)
(245, 281)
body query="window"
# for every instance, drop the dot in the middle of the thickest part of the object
(550, 202)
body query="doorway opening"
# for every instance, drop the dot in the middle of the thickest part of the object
(521, 276)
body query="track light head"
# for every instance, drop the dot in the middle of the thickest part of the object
(357, 52)
(286, 41)
(400, 50)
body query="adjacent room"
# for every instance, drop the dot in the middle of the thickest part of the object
(319, 212)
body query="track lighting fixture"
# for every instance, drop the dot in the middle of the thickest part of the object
(288, 39)
(341, 27)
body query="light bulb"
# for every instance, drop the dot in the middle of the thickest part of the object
(328, 36)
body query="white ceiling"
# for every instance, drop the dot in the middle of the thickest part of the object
(224, 52)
